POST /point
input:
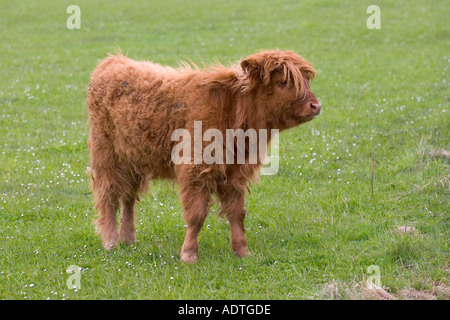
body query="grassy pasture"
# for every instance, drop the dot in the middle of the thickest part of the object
(314, 228)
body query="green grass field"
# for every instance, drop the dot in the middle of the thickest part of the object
(314, 228)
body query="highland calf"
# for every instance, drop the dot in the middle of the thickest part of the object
(134, 108)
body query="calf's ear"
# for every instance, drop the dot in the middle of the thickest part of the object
(253, 69)
(259, 68)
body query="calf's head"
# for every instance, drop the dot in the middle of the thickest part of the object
(280, 84)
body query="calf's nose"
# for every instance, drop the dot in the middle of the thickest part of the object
(315, 107)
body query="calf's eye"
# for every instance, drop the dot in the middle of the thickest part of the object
(283, 83)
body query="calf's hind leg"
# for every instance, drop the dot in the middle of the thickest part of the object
(132, 184)
(107, 204)
(114, 186)
(127, 232)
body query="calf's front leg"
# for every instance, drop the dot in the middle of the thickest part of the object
(195, 209)
(232, 206)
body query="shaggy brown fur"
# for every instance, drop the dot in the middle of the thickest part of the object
(134, 107)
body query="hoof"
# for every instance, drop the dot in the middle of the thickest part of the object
(110, 244)
(189, 257)
(111, 241)
(129, 238)
(241, 252)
